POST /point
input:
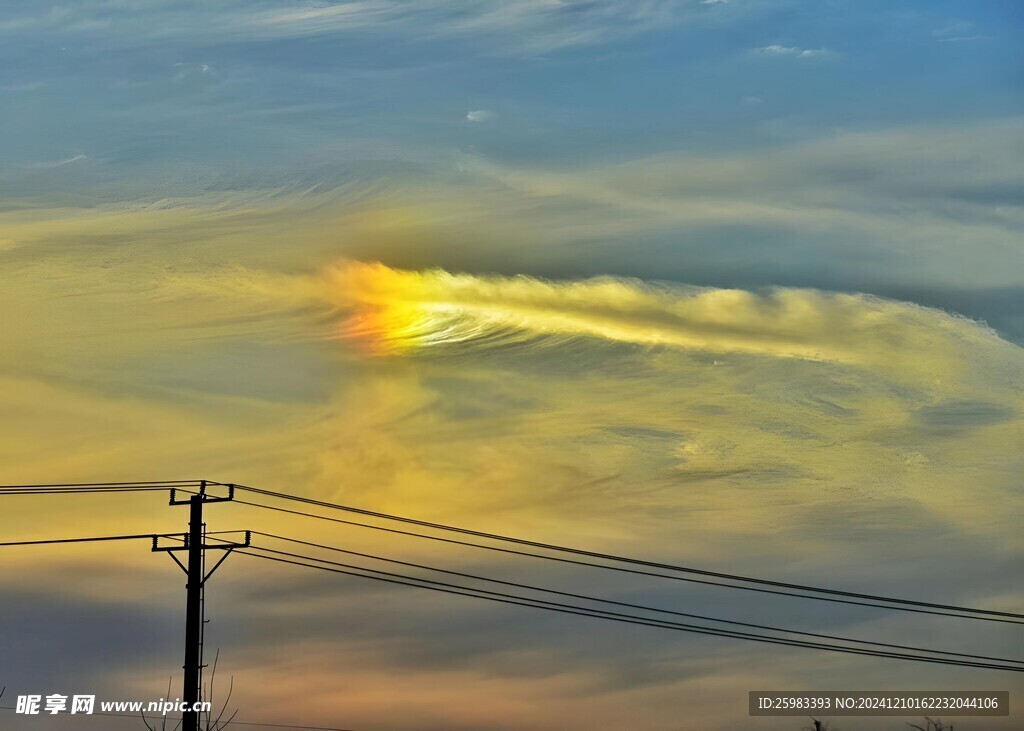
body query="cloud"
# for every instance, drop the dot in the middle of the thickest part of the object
(480, 115)
(956, 32)
(777, 50)
(791, 432)
(896, 192)
(386, 311)
(778, 428)
(398, 311)
(530, 25)
(514, 364)
(61, 163)
(831, 366)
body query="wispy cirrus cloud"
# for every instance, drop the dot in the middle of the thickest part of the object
(599, 412)
(644, 322)
(776, 49)
(959, 31)
(898, 191)
(62, 162)
(480, 115)
(530, 25)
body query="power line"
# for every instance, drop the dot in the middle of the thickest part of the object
(518, 600)
(71, 486)
(602, 612)
(712, 578)
(97, 487)
(224, 723)
(622, 569)
(818, 593)
(622, 559)
(86, 491)
(138, 536)
(503, 582)
(630, 605)
(197, 483)
(285, 725)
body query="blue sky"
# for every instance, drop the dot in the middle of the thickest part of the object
(112, 101)
(136, 87)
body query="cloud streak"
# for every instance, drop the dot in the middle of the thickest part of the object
(530, 25)
(402, 311)
(779, 50)
(628, 315)
(602, 412)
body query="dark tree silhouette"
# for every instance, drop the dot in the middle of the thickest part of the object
(931, 724)
(163, 721)
(206, 722)
(214, 724)
(818, 725)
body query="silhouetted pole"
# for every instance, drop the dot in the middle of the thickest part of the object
(195, 583)
(193, 615)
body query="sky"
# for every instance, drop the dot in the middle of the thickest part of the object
(736, 284)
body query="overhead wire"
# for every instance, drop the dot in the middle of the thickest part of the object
(585, 597)
(504, 598)
(622, 559)
(623, 569)
(48, 541)
(684, 573)
(859, 647)
(98, 487)
(295, 727)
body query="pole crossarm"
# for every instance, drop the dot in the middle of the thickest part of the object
(185, 543)
(206, 497)
(183, 537)
(226, 546)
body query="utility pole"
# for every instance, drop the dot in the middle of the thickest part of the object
(193, 614)
(196, 578)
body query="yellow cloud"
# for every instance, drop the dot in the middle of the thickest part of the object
(791, 432)
(405, 311)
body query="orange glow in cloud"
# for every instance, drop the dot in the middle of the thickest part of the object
(399, 312)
